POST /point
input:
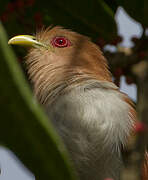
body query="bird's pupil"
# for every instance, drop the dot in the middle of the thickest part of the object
(60, 41)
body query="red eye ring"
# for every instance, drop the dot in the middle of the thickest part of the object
(60, 42)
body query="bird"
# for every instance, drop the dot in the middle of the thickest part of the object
(72, 82)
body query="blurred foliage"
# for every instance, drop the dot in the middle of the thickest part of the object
(92, 18)
(112, 4)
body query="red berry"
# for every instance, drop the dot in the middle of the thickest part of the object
(38, 17)
(141, 54)
(134, 39)
(140, 127)
(117, 40)
(19, 4)
(101, 42)
(129, 80)
(4, 17)
(108, 179)
(117, 81)
(118, 72)
(39, 25)
(30, 2)
(19, 60)
(10, 7)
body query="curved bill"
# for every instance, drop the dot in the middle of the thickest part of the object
(25, 40)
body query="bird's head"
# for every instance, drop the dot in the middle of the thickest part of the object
(58, 59)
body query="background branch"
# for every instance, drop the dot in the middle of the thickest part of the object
(136, 151)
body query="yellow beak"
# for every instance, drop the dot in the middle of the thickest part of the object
(25, 40)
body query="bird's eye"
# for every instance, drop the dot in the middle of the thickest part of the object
(60, 42)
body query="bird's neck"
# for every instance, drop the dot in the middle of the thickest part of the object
(93, 120)
(95, 103)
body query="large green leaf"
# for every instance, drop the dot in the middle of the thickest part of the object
(23, 126)
(93, 18)
(136, 9)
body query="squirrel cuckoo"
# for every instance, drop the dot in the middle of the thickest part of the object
(71, 80)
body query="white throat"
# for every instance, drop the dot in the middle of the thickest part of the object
(93, 120)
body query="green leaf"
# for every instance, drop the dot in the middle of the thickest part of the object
(24, 128)
(112, 4)
(93, 18)
(138, 10)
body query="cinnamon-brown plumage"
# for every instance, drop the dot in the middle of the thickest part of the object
(72, 81)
